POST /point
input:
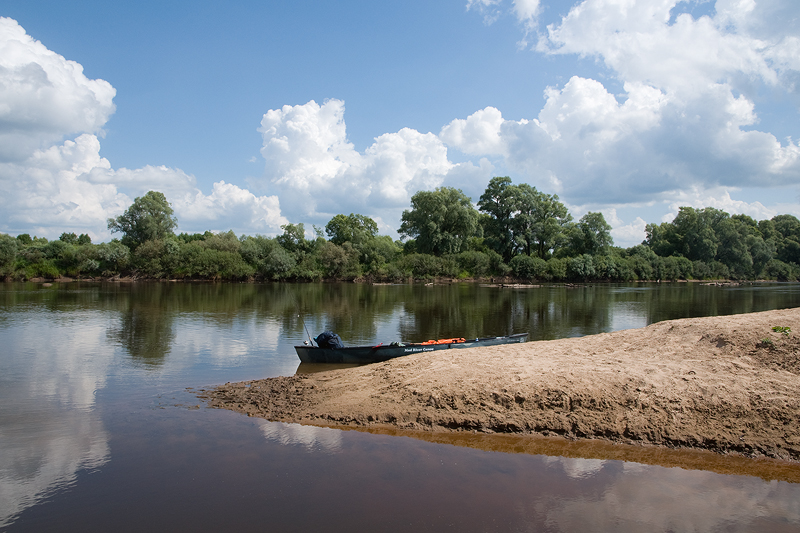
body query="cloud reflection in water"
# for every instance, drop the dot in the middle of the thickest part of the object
(311, 437)
(53, 430)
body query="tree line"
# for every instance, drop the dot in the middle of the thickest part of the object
(515, 232)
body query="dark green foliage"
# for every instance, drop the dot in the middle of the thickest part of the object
(8, 255)
(339, 262)
(724, 246)
(497, 267)
(518, 219)
(673, 268)
(269, 258)
(440, 221)
(150, 259)
(473, 264)
(223, 242)
(499, 204)
(701, 270)
(778, 270)
(719, 270)
(185, 237)
(308, 269)
(113, 258)
(613, 268)
(520, 232)
(293, 239)
(527, 267)
(356, 229)
(541, 222)
(580, 268)
(379, 251)
(79, 240)
(557, 269)
(149, 218)
(425, 266)
(591, 235)
(198, 260)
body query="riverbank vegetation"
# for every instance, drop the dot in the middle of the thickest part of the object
(516, 232)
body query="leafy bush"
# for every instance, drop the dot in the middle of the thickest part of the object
(557, 268)
(378, 251)
(45, 268)
(581, 267)
(497, 266)
(8, 254)
(113, 258)
(527, 267)
(339, 262)
(474, 264)
(778, 270)
(425, 266)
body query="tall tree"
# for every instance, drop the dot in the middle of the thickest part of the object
(499, 202)
(148, 218)
(591, 235)
(8, 254)
(787, 239)
(546, 218)
(356, 229)
(441, 221)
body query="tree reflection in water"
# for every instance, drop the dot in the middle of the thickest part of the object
(145, 328)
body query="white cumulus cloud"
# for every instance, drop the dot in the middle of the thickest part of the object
(319, 174)
(52, 177)
(685, 128)
(44, 97)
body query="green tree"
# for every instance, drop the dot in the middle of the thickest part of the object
(340, 262)
(293, 240)
(696, 232)
(69, 238)
(223, 242)
(8, 254)
(356, 229)
(541, 221)
(591, 235)
(499, 203)
(148, 218)
(269, 258)
(114, 257)
(440, 221)
(787, 228)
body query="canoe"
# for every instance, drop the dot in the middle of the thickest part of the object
(384, 352)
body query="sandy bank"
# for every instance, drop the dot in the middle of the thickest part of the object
(709, 383)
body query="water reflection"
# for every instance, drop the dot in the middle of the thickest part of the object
(49, 429)
(72, 352)
(637, 497)
(145, 332)
(310, 437)
(576, 468)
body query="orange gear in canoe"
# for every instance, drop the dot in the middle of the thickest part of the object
(444, 341)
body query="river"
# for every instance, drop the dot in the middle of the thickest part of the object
(100, 428)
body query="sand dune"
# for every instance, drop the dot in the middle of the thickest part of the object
(728, 384)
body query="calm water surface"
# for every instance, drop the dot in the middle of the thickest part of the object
(98, 431)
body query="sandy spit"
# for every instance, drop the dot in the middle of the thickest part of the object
(727, 384)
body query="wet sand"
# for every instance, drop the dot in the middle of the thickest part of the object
(727, 384)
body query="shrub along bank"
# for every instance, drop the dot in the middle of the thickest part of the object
(517, 233)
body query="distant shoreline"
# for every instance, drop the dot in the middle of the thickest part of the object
(509, 283)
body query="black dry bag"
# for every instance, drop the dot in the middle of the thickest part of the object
(329, 339)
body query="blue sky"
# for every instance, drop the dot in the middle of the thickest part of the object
(252, 115)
